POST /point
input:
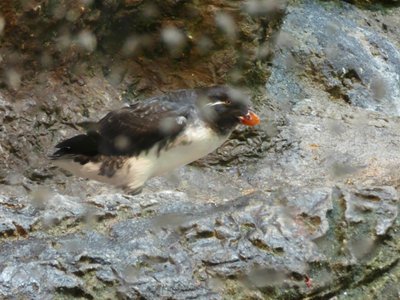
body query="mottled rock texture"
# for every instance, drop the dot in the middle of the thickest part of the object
(304, 205)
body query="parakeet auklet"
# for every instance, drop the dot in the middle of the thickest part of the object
(130, 145)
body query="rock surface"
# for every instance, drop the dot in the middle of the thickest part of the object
(305, 205)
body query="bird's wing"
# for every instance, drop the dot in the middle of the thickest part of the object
(138, 128)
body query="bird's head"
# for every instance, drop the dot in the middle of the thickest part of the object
(225, 108)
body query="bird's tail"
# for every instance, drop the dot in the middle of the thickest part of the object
(83, 144)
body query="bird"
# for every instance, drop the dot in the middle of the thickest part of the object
(149, 138)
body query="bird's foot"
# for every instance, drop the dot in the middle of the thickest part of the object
(133, 192)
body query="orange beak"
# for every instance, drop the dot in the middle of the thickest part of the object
(250, 119)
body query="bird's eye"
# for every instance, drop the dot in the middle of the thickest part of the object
(228, 102)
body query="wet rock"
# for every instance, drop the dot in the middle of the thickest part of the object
(379, 203)
(16, 218)
(357, 66)
(137, 256)
(26, 280)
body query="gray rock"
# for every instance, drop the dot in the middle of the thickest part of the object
(348, 58)
(379, 203)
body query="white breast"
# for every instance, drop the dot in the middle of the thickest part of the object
(195, 143)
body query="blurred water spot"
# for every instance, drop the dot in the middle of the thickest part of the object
(87, 2)
(167, 125)
(204, 44)
(236, 75)
(40, 197)
(131, 45)
(280, 197)
(332, 51)
(59, 10)
(64, 41)
(292, 65)
(122, 142)
(284, 40)
(239, 95)
(87, 40)
(172, 178)
(226, 24)
(260, 8)
(49, 221)
(216, 284)
(150, 10)
(362, 246)
(325, 277)
(116, 74)
(14, 178)
(130, 274)
(73, 14)
(340, 169)
(90, 218)
(207, 110)
(13, 79)
(2, 24)
(263, 51)
(174, 39)
(80, 69)
(73, 246)
(270, 128)
(46, 59)
(332, 28)
(378, 86)
(170, 220)
(263, 277)
(335, 127)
